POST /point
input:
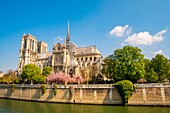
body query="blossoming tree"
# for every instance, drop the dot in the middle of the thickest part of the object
(62, 78)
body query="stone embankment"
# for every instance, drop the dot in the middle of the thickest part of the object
(145, 94)
(151, 94)
(84, 94)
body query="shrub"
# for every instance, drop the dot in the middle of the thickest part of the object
(12, 87)
(125, 89)
(55, 89)
(43, 87)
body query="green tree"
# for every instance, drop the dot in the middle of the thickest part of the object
(9, 77)
(39, 79)
(29, 71)
(46, 70)
(161, 66)
(150, 75)
(130, 63)
(109, 67)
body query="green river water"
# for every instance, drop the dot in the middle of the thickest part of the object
(15, 106)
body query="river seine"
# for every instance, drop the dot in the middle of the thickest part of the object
(15, 106)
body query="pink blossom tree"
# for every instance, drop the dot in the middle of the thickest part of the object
(63, 78)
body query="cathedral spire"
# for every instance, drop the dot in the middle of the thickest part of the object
(68, 32)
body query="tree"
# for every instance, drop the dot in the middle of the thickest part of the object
(62, 78)
(39, 79)
(46, 70)
(161, 66)
(109, 67)
(29, 71)
(150, 75)
(9, 77)
(129, 63)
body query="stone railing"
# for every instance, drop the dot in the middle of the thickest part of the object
(83, 86)
(153, 85)
(62, 86)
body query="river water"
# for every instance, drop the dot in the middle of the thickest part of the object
(15, 106)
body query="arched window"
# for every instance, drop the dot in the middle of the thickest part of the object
(25, 43)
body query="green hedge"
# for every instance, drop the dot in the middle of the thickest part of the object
(13, 87)
(125, 89)
(43, 87)
(55, 89)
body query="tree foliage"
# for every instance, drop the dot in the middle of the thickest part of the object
(161, 67)
(109, 67)
(9, 77)
(125, 89)
(29, 71)
(46, 70)
(129, 63)
(150, 74)
(39, 79)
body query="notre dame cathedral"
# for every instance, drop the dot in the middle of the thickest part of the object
(66, 57)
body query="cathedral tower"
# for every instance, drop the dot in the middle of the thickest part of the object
(28, 50)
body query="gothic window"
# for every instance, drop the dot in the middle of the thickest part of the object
(59, 59)
(90, 58)
(94, 59)
(58, 48)
(32, 45)
(71, 72)
(25, 43)
(38, 48)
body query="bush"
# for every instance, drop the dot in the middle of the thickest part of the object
(12, 87)
(39, 79)
(55, 89)
(125, 89)
(43, 87)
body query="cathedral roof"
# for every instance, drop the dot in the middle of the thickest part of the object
(44, 55)
(87, 50)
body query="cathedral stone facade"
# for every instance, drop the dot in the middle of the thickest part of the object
(66, 57)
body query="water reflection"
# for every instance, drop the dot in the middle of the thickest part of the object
(14, 106)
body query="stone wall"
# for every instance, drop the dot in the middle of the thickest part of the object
(85, 94)
(151, 94)
(145, 94)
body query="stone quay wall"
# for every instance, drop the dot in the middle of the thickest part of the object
(83, 94)
(151, 94)
(145, 94)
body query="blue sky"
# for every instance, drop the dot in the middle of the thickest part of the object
(108, 24)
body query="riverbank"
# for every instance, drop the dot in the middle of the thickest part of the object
(145, 94)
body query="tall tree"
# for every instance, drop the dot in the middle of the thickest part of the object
(109, 67)
(161, 66)
(129, 63)
(150, 74)
(9, 77)
(29, 71)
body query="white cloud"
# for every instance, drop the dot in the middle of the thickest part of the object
(145, 38)
(157, 52)
(120, 31)
(128, 31)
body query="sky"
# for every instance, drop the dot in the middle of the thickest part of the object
(108, 24)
